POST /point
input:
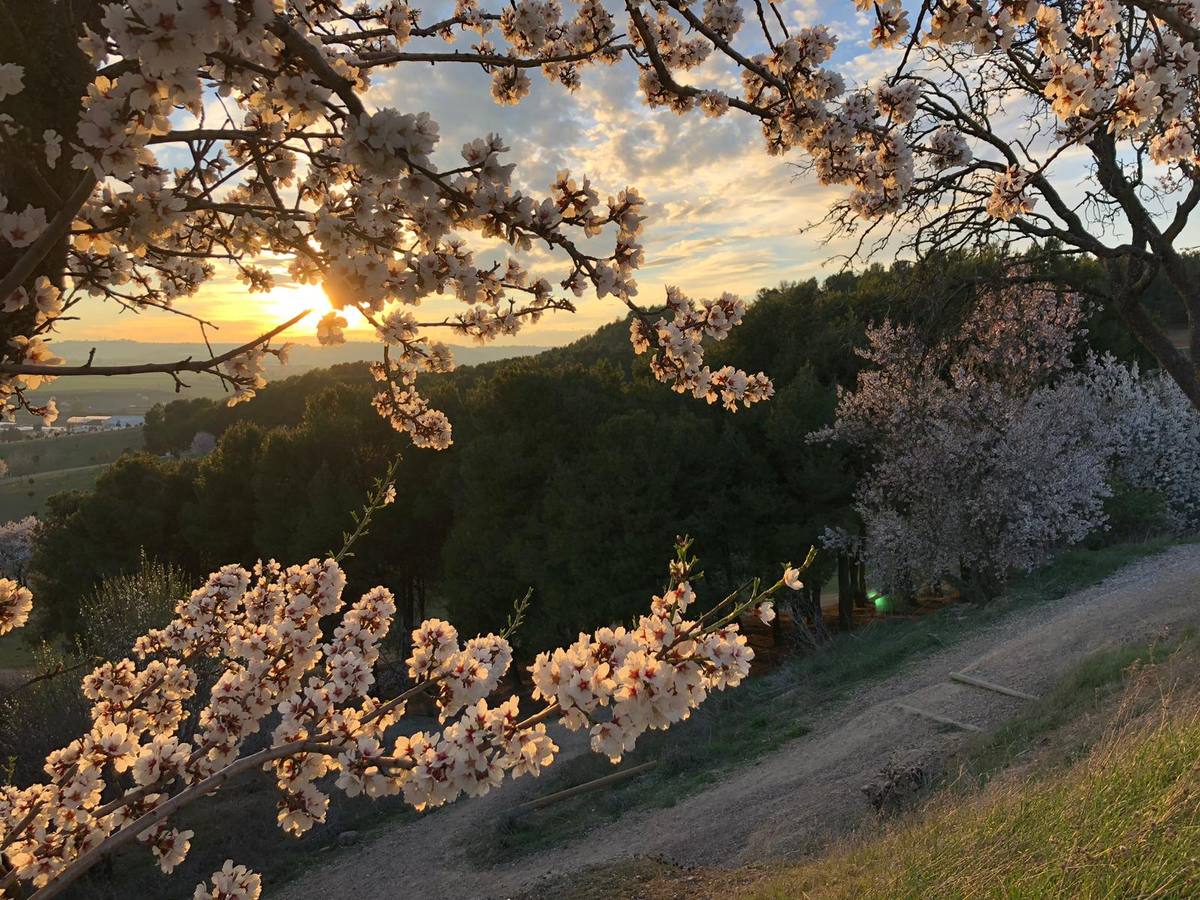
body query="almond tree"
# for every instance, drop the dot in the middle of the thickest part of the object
(1072, 126)
(16, 546)
(986, 453)
(1159, 436)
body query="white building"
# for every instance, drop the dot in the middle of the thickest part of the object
(103, 423)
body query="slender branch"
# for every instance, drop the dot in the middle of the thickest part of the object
(183, 365)
(46, 676)
(169, 807)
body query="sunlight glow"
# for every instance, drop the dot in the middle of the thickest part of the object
(286, 301)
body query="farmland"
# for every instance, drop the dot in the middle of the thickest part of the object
(40, 468)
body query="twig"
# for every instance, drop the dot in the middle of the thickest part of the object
(943, 720)
(964, 678)
(46, 676)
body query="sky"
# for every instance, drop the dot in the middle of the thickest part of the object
(722, 215)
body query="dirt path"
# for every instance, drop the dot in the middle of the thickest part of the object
(797, 797)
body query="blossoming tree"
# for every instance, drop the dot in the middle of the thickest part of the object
(1071, 124)
(16, 546)
(120, 183)
(139, 192)
(987, 452)
(1159, 436)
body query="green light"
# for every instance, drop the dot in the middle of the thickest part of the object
(880, 600)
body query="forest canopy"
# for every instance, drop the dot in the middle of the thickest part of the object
(577, 474)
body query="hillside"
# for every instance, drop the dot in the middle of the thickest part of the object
(809, 790)
(38, 469)
(303, 356)
(68, 451)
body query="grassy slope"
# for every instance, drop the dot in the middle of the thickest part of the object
(1122, 821)
(1090, 793)
(735, 728)
(26, 495)
(69, 451)
(37, 469)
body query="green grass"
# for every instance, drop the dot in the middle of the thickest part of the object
(733, 729)
(40, 468)
(1122, 821)
(71, 451)
(1080, 695)
(880, 649)
(26, 495)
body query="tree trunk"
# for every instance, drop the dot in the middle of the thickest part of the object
(860, 585)
(845, 593)
(1131, 275)
(44, 40)
(1173, 361)
(820, 632)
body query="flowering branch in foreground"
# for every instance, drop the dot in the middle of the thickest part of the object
(291, 174)
(144, 758)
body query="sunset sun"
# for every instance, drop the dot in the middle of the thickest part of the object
(284, 302)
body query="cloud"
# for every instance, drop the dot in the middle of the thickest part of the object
(723, 214)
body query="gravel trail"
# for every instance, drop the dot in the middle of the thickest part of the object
(796, 798)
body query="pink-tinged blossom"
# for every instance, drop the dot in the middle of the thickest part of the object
(15, 604)
(317, 686)
(986, 451)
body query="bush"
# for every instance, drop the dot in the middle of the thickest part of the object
(126, 606)
(1133, 513)
(50, 713)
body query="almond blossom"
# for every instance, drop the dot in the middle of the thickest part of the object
(302, 172)
(15, 604)
(122, 781)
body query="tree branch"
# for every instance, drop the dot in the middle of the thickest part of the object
(170, 368)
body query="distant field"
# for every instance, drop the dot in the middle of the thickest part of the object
(127, 395)
(26, 494)
(69, 451)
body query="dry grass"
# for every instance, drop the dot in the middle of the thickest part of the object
(1120, 820)
(1124, 821)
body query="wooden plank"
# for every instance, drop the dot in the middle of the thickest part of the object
(943, 720)
(964, 678)
(614, 778)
